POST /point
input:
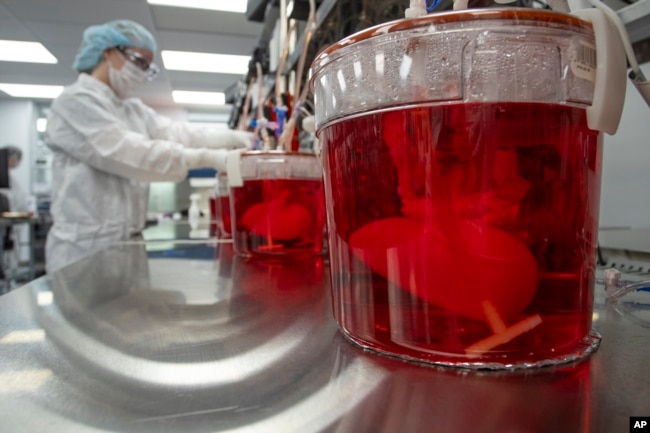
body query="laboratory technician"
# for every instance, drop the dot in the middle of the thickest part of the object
(16, 194)
(107, 146)
(15, 201)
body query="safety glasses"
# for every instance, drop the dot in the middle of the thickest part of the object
(139, 60)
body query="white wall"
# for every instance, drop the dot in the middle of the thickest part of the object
(625, 197)
(18, 127)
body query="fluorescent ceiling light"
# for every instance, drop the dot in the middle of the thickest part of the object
(215, 5)
(31, 90)
(205, 62)
(28, 52)
(199, 98)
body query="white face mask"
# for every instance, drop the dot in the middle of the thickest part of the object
(124, 81)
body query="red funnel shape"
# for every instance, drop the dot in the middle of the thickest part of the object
(456, 270)
(278, 219)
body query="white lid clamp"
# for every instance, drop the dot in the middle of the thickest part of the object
(233, 168)
(611, 68)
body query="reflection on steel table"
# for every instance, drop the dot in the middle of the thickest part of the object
(200, 340)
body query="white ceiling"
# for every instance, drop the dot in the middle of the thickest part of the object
(59, 24)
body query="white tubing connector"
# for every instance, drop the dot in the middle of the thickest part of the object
(641, 84)
(460, 4)
(417, 8)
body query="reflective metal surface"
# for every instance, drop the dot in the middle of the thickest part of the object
(192, 339)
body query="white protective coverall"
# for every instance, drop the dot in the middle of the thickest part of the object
(105, 152)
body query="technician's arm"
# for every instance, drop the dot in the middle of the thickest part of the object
(84, 128)
(163, 127)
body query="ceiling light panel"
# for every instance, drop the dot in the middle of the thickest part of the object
(27, 52)
(198, 98)
(205, 62)
(31, 90)
(238, 6)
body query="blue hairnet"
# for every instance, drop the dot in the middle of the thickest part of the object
(98, 38)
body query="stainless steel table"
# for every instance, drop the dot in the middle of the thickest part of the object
(193, 339)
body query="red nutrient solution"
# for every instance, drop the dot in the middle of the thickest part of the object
(214, 225)
(281, 218)
(463, 232)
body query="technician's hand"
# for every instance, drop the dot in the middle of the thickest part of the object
(223, 139)
(205, 158)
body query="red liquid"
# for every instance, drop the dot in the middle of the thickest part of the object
(449, 225)
(223, 216)
(214, 229)
(279, 218)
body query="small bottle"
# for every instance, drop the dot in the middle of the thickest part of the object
(194, 213)
(32, 206)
